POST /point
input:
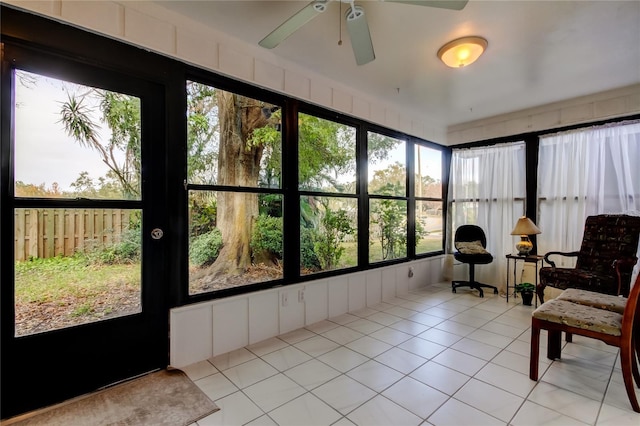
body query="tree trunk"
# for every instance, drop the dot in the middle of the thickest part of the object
(238, 165)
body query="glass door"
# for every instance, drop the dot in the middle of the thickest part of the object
(82, 288)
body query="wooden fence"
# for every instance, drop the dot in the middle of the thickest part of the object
(47, 233)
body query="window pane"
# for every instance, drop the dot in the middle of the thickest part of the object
(387, 229)
(428, 165)
(220, 154)
(75, 141)
(235, 239)
(387, 165)
(428, 226)
(327, 155)
(328, 233)
(75, 266)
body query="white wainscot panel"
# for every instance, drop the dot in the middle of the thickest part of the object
(291, 309)
(191, 335)
(263, 316)
(338, 296)
(316, 301)
(230, 325)
(374, 287)
(436, 270)
(389, 282)
(403, 279)
(357, 292)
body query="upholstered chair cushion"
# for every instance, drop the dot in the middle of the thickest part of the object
(471, 247)
(595, 300)
(580, 316)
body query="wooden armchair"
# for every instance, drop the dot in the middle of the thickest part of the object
(605, 260)
(582, 313)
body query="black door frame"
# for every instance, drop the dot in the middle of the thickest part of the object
(61, 50)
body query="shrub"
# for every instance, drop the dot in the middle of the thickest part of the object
(204, 249)
(267, 236)
(308, 258)
(127, 250)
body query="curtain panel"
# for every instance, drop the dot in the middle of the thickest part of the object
(487, 188)
(582, 173)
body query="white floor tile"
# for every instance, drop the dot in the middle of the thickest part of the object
(568, 403)
(216, 386)
(375, 375)
(231, 359)
(286, 358)
(365, 326)
(321, 326)
(344, 394)
(267, 346)
(415, 396)
(534, 414)
(489, 399)
(199, 370)
(460, 329)
(235, 409)
(383, 412)
(455, 413)
(312, 374)
(307, 410)
(274, 392)
(506, 379)
(441, 337)
(368, 346)
(409, 327)
(343, 359)
(422, 347)
(391, 336)
(401, 360)
(384, 318)
(296, 336)
(249, 373)
(316, 346)
(459, 361)
(440, 377)
(476, 349)
(342, 335)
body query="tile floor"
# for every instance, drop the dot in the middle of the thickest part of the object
(428, 358)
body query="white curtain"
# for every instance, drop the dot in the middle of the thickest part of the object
(582, 173)
(487, 188)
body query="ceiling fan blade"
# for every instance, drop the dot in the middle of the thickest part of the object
(358, 29)
(442, 4)
(294, 23)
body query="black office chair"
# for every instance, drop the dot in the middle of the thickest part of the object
(470, 243)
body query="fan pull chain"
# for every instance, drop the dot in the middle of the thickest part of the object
(340, 24)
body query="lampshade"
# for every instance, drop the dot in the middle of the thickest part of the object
(525, 227)
(462, 51)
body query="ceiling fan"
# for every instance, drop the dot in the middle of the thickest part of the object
(356, 24)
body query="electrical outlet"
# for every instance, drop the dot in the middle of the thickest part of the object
(301, 295)
(410, 271)
(285, 299)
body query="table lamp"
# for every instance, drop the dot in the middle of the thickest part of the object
(524, 227)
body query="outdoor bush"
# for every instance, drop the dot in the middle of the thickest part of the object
(267, 235)
(308, 258)
(125, 251)
(336, 225)
(204, 249)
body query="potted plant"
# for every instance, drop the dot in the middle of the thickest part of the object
(526, 290)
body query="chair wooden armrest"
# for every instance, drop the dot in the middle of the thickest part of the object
(558, 253)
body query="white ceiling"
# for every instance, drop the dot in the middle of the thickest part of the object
(539, 51)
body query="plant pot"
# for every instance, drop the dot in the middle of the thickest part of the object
(527, 297)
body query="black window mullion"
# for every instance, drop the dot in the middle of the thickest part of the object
(291, 207)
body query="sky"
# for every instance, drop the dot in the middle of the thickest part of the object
(43, 151)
